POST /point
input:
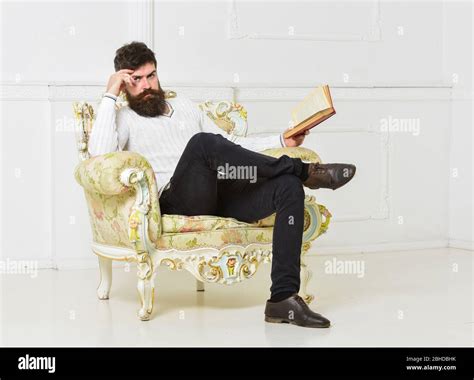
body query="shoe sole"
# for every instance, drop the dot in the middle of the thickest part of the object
(291, 322)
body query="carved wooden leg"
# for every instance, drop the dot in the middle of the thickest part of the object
(105, 283)
(199, 286)
(145, 286)
(305, 275)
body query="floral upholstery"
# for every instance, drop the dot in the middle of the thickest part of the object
(110, 202)
(215, 239)
(183, 223)
(229, 116)
(294, 152)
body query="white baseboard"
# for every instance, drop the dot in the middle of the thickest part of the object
(461, 244)
(92, 262)
(80, 263)
(378, 247)
(84, 263)
(38, 264)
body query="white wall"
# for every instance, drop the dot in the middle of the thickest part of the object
(384, 61)
(459, 62)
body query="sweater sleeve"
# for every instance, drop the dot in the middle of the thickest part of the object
(110, 131)
(255, 143)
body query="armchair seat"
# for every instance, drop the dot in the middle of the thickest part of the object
(215, 238)
(183, 223)
(123, 202)
(186, 232)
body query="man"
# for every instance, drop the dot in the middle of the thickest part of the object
(188, 151)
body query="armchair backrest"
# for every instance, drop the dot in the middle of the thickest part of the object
(229, 116)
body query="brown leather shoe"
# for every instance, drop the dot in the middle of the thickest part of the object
(329, 176)
(295, 311)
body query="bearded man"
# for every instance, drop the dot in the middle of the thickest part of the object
(185, 149)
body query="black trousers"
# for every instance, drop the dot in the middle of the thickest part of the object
(204, 183)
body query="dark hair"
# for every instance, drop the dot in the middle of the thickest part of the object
(133, 55)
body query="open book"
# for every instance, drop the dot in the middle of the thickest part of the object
(313, 109)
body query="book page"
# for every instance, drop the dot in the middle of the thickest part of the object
(313, 103)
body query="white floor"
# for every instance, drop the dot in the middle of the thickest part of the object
(409, 298)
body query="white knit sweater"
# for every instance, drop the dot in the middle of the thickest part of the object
(161, 140)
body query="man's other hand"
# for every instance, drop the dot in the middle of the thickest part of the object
(118, 80)
(296, 140)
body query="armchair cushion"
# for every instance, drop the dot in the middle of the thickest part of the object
(189, 232)
(183, 223)
(294, 152)
(215, 239)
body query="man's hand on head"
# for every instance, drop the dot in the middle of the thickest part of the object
(296, 140)
(119, 80)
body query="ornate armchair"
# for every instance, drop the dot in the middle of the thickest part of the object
(127, 225)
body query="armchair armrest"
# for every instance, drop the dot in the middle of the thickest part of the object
(121, 194)
(101, 174)
(295, 152)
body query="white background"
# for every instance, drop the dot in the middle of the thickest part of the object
(398, 60)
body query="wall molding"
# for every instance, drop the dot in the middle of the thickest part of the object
(141, 22)
(382, 211)
(462, 94)
(377, 247)
(29, 92)
(373, 93)
(205, 93)
(244, 93)
(234, 31)
(384, 206)
(75, 93)
(461, 244)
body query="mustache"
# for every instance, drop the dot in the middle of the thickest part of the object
(149, 91)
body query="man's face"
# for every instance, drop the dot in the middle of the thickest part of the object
(144, 93)
(143, 78)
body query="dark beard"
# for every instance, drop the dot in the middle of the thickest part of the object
(154, 105)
